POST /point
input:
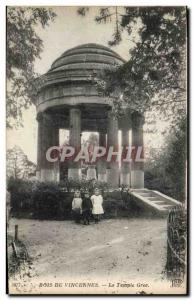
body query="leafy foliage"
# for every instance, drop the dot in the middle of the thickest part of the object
(50, 203)
(47, 200)
(166, 167)
(21, 191)
(18, 165)
(23, 47)
(154, 79)
(176, 166)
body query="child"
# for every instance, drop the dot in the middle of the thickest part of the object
(97, 201)
(86, 208)
(77, 206)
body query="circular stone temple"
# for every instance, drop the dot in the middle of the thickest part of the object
(68, 99)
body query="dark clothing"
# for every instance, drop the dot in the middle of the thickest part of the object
(86, 214)
(86, 204)
(96, 218)
(76, 215)
(86, 210)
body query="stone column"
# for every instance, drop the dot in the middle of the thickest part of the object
(55, 142)
(125, 166)
(137, 167)
(48, 136)
(74, 170)
(125, 125)
(112, 140)
(101, 163)
(39, 146)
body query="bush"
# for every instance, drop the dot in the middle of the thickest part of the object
(50, 202)
(38, 199)
(21, 191)
(160, 184)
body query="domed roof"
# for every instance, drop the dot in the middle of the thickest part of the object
(70, 78)
(86, 57)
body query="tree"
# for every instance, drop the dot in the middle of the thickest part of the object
(166, 167)
(177, 156)
(153, 81)
(18, 165)
(154, 78)
(23, 47)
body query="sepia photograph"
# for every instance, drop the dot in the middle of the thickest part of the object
(96, 150)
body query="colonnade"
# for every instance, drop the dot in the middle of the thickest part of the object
(130, 174)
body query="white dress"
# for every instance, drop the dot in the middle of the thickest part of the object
(77, 204)
(97, 208)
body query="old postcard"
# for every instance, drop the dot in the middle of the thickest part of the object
(96, 150)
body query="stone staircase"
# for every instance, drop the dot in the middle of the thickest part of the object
(153, 201)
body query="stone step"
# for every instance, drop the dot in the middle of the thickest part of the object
(141, 190)
(159, 202)
(146, 194)
(165, 209)
(153, 200)
(157, 199)
(167, 206)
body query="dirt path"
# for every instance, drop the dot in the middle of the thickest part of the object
(127, 247)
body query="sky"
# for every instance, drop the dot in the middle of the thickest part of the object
(67, 31)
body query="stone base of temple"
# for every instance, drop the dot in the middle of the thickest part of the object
(102, 177)
(49, 175)
(74, 173)
(113, 177)
(137, 179)
(91, 173)
(125, 179)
